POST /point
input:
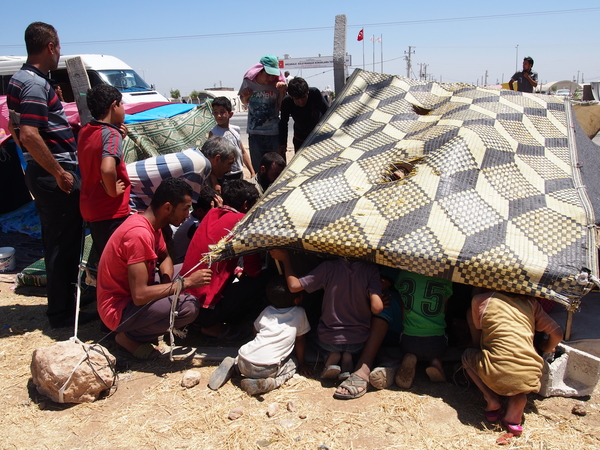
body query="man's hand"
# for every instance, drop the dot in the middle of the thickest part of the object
(124, 131)
(198, 278)
(387, 301)
(281, 86)
(279, 254)
(65, 181)
(282, 150)
(245, 95)
(217, 201)
(120, 187)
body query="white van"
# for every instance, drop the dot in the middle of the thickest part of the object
(100, 69)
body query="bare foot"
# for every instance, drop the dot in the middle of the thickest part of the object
(214, 331)
(333, 359)
(515, 408)
(128, 344)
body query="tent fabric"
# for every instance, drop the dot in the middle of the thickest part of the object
(494, 196)
(160, 112)
(72, 114)
(174, 134)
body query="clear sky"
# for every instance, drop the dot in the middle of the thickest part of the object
(195, 45)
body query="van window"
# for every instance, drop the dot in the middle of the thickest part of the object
(124, 80)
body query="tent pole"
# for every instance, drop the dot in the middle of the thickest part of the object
(569, 325)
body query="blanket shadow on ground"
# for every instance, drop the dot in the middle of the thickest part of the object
(466, 399)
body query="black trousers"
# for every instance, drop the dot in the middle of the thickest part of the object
(241, 300)
(101, 232)
(62, 228)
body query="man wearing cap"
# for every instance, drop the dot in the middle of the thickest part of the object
(263, 90)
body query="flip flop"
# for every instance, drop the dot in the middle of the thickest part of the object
(343, 376)
(331, 372)
(145, 352)
(493, 416)
(352, 384)
(222, 374)
(514, 429)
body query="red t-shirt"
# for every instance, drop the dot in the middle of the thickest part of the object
(133, 242)
(98, 140)
(215, 225)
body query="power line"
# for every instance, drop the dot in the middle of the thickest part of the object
(328, 28)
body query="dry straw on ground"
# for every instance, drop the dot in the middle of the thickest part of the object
(150, 409)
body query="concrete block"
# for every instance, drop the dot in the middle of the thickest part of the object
(573, 374)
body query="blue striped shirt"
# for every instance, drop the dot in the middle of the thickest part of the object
(31, 100)
(146, 175)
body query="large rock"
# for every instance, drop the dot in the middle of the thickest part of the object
(92, 374)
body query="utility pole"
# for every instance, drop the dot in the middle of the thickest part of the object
(423, 71)
(408, 62)
(517, 59)
(339, 53)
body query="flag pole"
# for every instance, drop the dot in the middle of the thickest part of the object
(373, 41)
(363, 53)
(381, 42)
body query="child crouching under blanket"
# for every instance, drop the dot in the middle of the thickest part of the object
(507, 363)
(266, 361)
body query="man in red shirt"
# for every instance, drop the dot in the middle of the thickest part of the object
(129, 300)
(223, 301)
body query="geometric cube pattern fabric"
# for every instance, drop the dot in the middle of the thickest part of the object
(493, 198)
(174, 134)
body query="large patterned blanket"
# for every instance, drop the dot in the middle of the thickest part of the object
(174, 134)
(491, 194)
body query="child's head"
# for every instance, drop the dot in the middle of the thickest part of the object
(279, 295)
(205, 202)
(103, 101)
(221, 107)
(298, 90)
(239, 194)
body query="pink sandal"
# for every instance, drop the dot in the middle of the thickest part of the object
(494, 415)
(514, 429)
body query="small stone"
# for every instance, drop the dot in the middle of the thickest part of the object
(236, 413)
(287, 423)
(579, 409)
(302, 416)
(190, 379)
(291, 406)
(272, 409)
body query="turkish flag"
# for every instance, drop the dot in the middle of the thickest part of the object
(361, 35)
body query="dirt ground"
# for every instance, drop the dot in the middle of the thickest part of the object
(150, 409)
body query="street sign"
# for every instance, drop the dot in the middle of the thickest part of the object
(310, 63)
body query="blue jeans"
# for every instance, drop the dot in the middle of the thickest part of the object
(259, 145)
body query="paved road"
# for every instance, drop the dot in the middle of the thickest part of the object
(241, 120)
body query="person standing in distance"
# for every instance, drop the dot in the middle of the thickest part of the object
(526, 79)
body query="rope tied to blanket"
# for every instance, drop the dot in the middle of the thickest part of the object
(173, 315)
